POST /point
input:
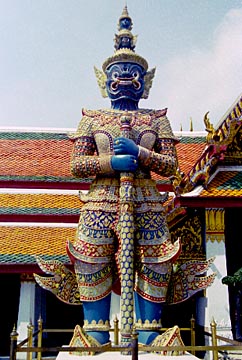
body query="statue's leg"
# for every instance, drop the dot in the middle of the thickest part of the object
(93, 256)
(148, 315)
(150, 295)
(155, 255)
(97, 312)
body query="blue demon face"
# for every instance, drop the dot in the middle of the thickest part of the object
(125, 81)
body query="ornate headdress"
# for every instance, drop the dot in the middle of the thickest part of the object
(124, 44)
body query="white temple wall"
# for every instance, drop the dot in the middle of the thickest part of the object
(215, 305)
(26, 311)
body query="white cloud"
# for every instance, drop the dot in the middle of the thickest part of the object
(205, 79)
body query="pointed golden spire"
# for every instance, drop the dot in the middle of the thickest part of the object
(124, 44)
(125, 13)
(191, 124)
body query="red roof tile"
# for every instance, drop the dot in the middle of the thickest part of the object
(35, 157)
(188, 154)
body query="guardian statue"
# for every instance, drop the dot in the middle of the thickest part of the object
(122, 241)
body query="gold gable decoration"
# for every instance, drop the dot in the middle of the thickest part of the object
(189, 230)
(215, 225)
(224, 144)
(233, 153)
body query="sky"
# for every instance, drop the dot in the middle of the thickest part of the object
(48, 49)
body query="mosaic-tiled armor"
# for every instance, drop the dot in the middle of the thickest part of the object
(97, 243)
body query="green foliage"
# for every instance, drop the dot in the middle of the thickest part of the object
(233, 280)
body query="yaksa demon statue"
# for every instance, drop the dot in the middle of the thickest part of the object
(122, 236)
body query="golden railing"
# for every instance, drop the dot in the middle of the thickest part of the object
(28, 347)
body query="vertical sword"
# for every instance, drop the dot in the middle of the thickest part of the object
(126, 222)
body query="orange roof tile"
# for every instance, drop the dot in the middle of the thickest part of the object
(44, 201)
(21, 243)
(225, 184)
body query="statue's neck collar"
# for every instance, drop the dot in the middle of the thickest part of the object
(124, 104)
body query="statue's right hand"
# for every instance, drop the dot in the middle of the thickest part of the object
(124, 162)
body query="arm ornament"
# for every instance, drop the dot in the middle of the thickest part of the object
(86, 166)
(163, 161)
(105, 164)
(85, 163)
(144, 155)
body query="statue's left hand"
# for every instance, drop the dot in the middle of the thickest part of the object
(124, 146)
(124, 163)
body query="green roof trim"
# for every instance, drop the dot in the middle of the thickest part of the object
(43, 178)
(29, 259)
(38, 211)
(58, 179)
(192, 140)
(64, 136)
(234, 183)
(33, 136)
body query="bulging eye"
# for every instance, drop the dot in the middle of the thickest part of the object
(115, 75)
(136, 75)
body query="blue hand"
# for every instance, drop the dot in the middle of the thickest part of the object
(126, 146)
(124, 162)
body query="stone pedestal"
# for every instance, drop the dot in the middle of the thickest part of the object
(118, 356)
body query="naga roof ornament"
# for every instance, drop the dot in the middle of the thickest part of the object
(124, 45)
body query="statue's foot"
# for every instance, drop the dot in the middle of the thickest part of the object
(170, 337)
(85, 339)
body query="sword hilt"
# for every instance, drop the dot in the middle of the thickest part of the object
(125, 127)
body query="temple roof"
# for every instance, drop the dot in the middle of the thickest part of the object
(35, 156)
(189, 149)
(223, 148)
(225, 183)
(223, 190)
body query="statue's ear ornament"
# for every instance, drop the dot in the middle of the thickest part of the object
(149, 76)
(101, 80)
